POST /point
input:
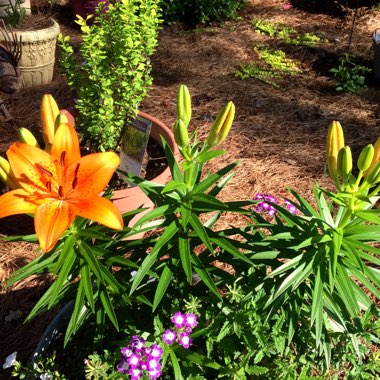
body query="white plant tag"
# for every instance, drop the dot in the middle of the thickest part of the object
(133, 145)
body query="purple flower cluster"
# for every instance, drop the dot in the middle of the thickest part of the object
(184, 324)
(138, 359)
(265, 207)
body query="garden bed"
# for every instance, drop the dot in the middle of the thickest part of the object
(279, 132)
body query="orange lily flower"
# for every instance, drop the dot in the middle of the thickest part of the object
(59, 185)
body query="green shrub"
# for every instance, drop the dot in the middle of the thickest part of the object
(200, 11)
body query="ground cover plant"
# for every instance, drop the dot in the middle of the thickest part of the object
(272, 64)
(278, 136)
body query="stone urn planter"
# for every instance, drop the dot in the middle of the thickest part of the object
(37, 54)
(132, 198)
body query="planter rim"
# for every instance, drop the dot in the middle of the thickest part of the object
(34, 35)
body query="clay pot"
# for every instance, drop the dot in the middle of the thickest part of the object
(133, 198)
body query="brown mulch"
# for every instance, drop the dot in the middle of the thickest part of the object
(278, 135)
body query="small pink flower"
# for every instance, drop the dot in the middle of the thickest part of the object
(153, 363)
(287, 6)
(169, 337)
(134, 361)
(135, 373)
(156, 351)
(191, 320)
(178, 319)
(185, 340)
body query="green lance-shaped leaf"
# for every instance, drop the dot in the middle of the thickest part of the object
(184, 105)
(366, 157)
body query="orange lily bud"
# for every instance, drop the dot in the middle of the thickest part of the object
(335, 142)
(49, 113)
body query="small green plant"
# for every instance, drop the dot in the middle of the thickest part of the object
(349, 74)
(285, 33)
(42, 368)
(15, 13)
(273, 65)
(111, 76)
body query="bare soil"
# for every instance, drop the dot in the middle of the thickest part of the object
(278, 135)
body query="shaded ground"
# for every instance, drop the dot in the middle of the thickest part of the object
(278, 135)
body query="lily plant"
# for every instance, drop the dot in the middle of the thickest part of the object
(58, 185)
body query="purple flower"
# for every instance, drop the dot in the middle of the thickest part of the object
(134, 360)
(126, 351)
(191, 320)
(153, 363)
(184, 340)
(156, 351)
(169, 337)
(264, 206)
(144, 366)
(290, 207)
(137, 343)
(135, 373)
(154, 373)
(123, 367)
(178, 319)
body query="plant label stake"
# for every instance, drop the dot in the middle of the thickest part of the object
(133, 146)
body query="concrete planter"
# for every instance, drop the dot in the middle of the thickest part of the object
(38, 55)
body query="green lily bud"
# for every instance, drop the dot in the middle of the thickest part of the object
(60, 119)
(181, 134)
(184, 105)
(366, 157)
(335, 142)
(6, 174)
(373, 174)
(222, 125)
(345, 164)
(27, 137)
(376, 157)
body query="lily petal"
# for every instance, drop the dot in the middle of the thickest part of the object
(91, 174)
(51, 220)
(16, 202)
(65, 147)
(100, 210)
(30, 165)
